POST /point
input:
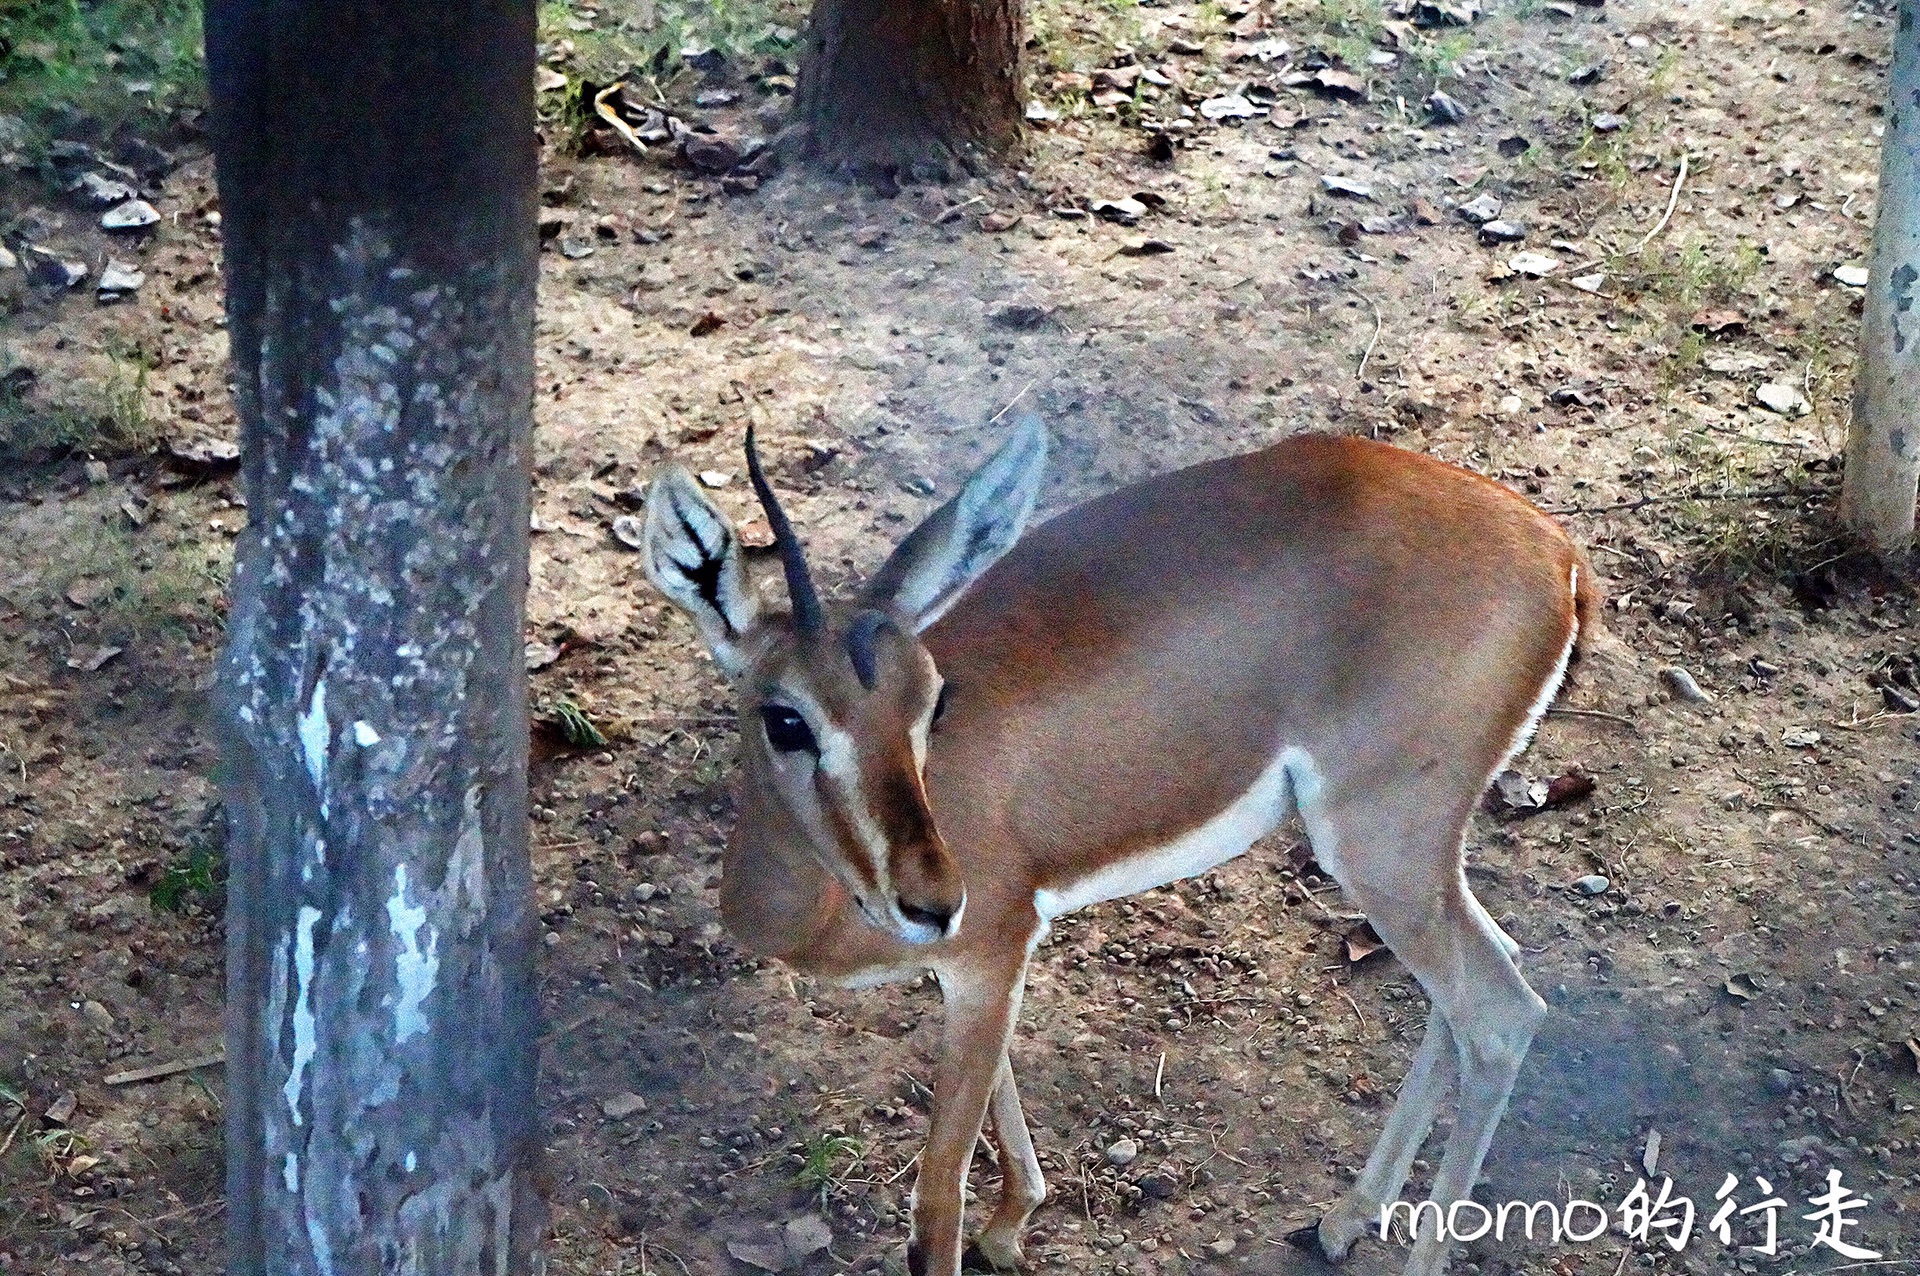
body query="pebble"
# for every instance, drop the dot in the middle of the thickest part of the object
(1481, 209)
(135, 214)
(1337, 185)
(1502, 232)
(1780, 1081)
(1592, 884)
(97, 1015)
(1681, 685)
(118, 280)
(1609, 122)
(1851, 276)
(1220, 1248)
(1445, 109)
(1783, 398)
(1533, 265)
(7, 260)
(1121, 1152)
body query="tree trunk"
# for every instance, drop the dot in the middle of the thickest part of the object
(1883, 443)
(912, 88)
(377, 171)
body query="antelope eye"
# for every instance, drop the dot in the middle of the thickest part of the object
(939, 706)
(787, 731)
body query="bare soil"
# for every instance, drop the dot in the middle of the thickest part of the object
(1744, 984)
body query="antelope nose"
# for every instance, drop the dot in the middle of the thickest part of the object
(935, 915)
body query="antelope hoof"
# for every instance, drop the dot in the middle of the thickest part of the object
(1308, 1238)
(995, 1252)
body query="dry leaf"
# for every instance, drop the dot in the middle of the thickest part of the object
(1363, 942)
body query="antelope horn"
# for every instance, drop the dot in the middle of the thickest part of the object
(808, 617)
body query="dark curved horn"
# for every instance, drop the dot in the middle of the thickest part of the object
(808, 617)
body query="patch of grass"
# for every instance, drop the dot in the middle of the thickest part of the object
(825, 1161)
(198, 877)
(570, 723)
(1082, 36)
(140, 585)
(118, 61)
(102, 419)
(1438, 57)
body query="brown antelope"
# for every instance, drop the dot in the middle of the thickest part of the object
(1000, 730)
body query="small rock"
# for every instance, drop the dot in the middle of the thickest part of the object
(97, 1015)
(203, 456)
(711, 152)
(1588, 283)
(119, 280)
(1481, 209)
(1800, 738)
(1019, 315)
(1532, 265)
(1161, 1186)
(630, 531)
(1608, 122)
(1230, 106)
(1121, 1152)
(1220, 1248)
(1780, 1081)
(1852, 276)
(135, 214)
(1592, 884)
(97, 191)
(806, 1235)
(1511, 147)
(1350, 187)
(1680, 684)
(7, 260)
(1591, 73)
(707, 99)
(1785, 399)
(1445, 109)
(622, 1105)
(1735, 362)
(1125, 211)
(715, 478)
(61, 1110)
(1145, 248)
(1502, 232)
(50, 271)
(703, 58)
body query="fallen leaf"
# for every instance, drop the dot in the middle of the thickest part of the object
(1568, 788)
(88, 590)
(1363, 942)
(1512, 793)
(620, 1106)
(1532, 265)
(90, 659)
(806, 1236)
(1348, 186)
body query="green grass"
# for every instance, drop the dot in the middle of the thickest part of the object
(198, 877)
(102, 419)
(825, 1162)
(61, 57)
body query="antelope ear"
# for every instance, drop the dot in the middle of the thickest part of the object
(960, 540)
(692, 555)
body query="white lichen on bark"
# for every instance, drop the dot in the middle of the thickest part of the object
(1883, 441)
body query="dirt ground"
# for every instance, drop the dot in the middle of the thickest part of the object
(1741, 985)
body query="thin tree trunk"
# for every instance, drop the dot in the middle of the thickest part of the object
(377, 181)
(1883, 443)
(893, 89)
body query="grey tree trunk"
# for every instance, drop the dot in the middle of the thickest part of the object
(1883, 443)
(377, 171)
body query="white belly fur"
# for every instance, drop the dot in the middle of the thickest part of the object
(1250, 817)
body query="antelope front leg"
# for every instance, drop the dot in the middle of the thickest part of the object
(981, 1006)
(1022, 1187)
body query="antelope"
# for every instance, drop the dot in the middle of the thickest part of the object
(1001, 729)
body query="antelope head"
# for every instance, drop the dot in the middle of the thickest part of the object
(836, 705)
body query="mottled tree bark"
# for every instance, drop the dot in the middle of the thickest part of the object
(912, 88)
(377, 179)
(1883, 443)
